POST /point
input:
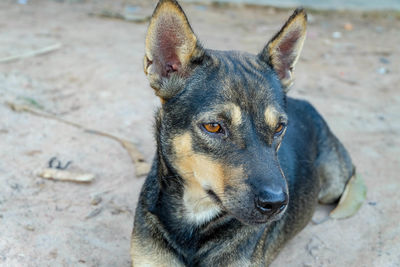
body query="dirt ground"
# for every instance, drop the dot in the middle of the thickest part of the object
(349, 70)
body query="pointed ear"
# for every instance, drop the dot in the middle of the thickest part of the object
(283, 51)
(171, 48)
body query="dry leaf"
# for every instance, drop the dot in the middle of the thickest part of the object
(352, 198)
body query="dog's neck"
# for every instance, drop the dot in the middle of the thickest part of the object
(184, 236)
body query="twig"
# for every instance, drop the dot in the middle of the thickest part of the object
(67, 176)
(33, 53)
(141, 166)
(136, 18)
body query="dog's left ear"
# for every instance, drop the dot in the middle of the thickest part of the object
(283, 51)
(172, 49)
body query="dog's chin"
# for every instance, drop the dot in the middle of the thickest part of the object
(258, 219)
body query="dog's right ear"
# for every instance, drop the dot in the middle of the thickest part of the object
(171, 48)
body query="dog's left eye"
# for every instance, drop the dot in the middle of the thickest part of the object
(213, 128)
(279, 129)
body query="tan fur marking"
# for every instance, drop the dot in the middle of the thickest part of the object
(236, 114)
(149, 254)
(200, 173)
(271, 116)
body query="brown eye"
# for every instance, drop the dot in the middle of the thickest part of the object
(213, 127)
(279, 129)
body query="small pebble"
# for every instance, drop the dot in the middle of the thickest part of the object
(16, 186)
(29, 227)
(379, 29)
(117, 210)
(310, 18)
(130, 8)
(382, 70)
(96, 200)
(384, 60)
(336, 35)
(348, 26)
(94, 213)
(201, 8)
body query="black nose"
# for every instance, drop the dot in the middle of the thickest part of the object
(271, 202)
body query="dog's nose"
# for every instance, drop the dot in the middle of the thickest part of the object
(271, 202)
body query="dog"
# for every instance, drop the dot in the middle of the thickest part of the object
(240, 166)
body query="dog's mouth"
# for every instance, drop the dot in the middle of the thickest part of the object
(243, 214)
(260, 219)
(271, 218)
(214, 196)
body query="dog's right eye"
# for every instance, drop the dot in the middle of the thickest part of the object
(279, 129)
(213, 128)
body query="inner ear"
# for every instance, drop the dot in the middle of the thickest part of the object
(170, 39)
(171, 44)
(283, 51)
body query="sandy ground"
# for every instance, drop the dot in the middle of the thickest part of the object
(96, 79)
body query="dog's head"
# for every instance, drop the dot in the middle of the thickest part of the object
(223, 116)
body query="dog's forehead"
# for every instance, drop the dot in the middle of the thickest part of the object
(242, 79)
